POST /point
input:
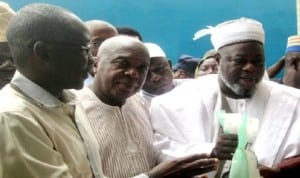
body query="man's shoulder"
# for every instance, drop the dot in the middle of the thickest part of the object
(283, 90)
(190, 91)
(12, 101)
(17, 107)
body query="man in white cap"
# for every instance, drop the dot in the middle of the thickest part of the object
(7, 67)
(159, 78)
(121, 124)
(191, 126)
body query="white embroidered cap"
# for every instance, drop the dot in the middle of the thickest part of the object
(6, 13)
(233, 31)
(155, 50)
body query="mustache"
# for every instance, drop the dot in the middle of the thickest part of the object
(130, 83)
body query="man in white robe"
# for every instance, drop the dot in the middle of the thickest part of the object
(191, 126)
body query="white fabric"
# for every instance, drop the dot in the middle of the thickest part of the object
(155, 50)
(190, 126)
(233, 31)
(293, 41)
(5, 15)
(147, 97)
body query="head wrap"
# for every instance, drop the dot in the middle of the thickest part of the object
(186, 63)
(154, 50)
(5, 14)
(233, 31)
(208, 54)
(293, 44)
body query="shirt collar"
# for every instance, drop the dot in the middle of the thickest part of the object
(39, 94)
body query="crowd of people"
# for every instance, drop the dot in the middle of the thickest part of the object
(91, 100)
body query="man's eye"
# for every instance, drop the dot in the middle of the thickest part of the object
(158, 70)
(259, 63)
(123, 64)
(239, 60)
(203, 68)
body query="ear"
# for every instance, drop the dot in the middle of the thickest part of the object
(294, 63)
(218, 57)
(40, 50)
(95, 64)
(170, 63)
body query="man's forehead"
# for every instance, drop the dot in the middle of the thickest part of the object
(240, 46)
(293, 54)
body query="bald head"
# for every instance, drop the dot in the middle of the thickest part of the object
(49, 46)
(113, 45)
(43, 22)
(121, 69)
(99, 31)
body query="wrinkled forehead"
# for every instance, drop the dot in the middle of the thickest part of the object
(134, 51)
(129, 51)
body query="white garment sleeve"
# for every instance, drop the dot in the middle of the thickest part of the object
(167, 149)
(176, 135)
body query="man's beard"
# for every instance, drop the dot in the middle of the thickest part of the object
(236, 88)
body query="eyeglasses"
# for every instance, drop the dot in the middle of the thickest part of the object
(85, 48)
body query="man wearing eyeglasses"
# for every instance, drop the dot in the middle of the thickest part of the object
(43, 130)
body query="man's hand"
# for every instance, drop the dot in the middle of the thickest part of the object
(184, 167)
(225, 146)
(268, 172)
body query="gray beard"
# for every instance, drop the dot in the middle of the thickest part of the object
(236, 88)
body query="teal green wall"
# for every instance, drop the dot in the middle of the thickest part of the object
(172, 23)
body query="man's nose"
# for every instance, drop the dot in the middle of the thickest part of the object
(132, 73)
(155, 77)
(249, 67)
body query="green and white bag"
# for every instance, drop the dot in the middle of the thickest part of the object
(244, 162)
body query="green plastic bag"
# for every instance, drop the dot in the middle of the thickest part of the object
(244, 162)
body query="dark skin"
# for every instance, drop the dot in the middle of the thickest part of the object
(242, 67)
(182, 74)
(56, 65)
(290, 63)
(7, 66)
(225, 146)
(292, 70)
(159, 78)
(121, 70)
(276, 68)
(99, 32)
(208, 66)
(186, 167)
(241, 64)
